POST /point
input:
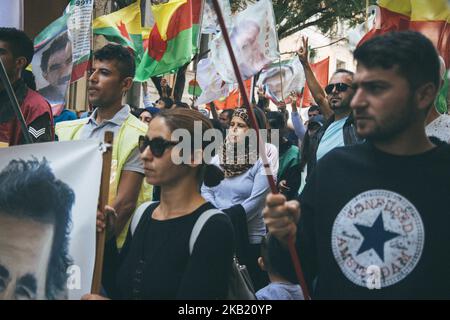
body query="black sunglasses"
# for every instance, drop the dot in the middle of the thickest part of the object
(157, 145)
(340, 87)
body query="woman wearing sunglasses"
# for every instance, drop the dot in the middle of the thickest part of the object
(244, 189)
(155, 262)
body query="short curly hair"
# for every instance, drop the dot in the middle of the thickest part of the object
(123, 57)
(20, 44)
(30, 189)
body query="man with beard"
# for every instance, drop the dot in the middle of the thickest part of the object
(334, 102)
(112, 76)
(374, 217)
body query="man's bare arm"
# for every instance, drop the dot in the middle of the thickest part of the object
(127, 195)
(316, 89)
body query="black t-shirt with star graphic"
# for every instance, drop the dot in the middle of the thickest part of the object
(376, 226)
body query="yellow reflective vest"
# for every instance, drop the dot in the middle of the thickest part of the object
(124, 143)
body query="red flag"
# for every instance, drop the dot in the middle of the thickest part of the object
(234, 99)
(320, 69)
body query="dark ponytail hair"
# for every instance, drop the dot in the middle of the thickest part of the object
(212, 175)
(181, 118)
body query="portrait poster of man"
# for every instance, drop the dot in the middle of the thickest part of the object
(254, 41)
(48, 203)
(280, 80)
(52, 68)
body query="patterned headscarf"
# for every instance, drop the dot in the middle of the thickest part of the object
(232, 162)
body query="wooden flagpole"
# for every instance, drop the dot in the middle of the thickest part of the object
(103, 201)
(281, 80)
(261, 145)
(173, 86)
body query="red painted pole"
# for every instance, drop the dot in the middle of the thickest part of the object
(261, 145)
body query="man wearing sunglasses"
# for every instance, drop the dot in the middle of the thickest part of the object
(334, 102)
(373, 218)
(112, 76)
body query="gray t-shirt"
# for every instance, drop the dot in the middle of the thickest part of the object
(93, 130)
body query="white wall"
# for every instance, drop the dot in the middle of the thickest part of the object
(338, 51)
(11, 13)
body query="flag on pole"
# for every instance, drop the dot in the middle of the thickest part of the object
(62, 52)
(254, 40)
(210, 82)
(354, 35)
(282, 78)
(234, 98)
(210, 25)
(431, 18)
(123, 27)
(79, 25)
(172, 40)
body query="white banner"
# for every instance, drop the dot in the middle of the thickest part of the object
(212, 85)
(11, 13)
(210, 24)
(79, 25)
(48, 203)
(62, 52)
(254, 40)
(279, 81)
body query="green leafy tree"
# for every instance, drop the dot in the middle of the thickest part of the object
(295, 15)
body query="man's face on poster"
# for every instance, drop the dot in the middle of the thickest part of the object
(246, 34)
(25, 247)
(59, 66)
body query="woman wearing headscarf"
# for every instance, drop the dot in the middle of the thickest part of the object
(244, 188)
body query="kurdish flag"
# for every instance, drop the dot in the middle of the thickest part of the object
(172, 40)
(431, 18)
(123, 27)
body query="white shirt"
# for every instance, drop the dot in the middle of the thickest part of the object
(439, 128)
(248, 189)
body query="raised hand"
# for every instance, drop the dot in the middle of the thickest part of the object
(303, 51)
